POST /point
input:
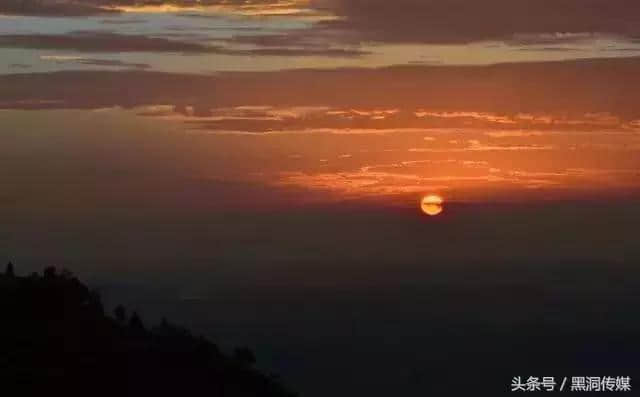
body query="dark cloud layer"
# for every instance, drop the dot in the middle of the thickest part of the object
(52, 8)
(408, 21)
(182, 3)
(96, 7)
(98, 41)
(113, 63)
(571, 87)
(19, 66)
(461, 21)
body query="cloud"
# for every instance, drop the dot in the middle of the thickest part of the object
(53, 8)
(517, 22)
(19, 66)
(463, 21)
(259, 8)
(378, 121)
(396, 179)
(325, 52)
(114, 63)
(121, 21)
(61, 58)
(549, 49)
(475, 145)
(94, 61)
(358, 184)
(514, 134)
(97, 7)
(401, 21)
(555, 89)
(100, 41)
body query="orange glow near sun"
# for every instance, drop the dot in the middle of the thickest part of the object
(432, 205)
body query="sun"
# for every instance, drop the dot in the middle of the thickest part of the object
(432, 204)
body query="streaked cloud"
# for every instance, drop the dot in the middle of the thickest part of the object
(261, 8)
(595, 93)
(475, 145)
(94, 61)
(99, 41)
(19, 66)
(53, 8)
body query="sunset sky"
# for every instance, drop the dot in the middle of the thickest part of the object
(330, 97)
(290, 142)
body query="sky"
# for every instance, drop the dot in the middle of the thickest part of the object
(459, 98)
(196, 155)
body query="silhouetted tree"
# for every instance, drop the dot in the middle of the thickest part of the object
(205, 349)
(50, 272)
(9, 271)
(135, 322)
(66, 274)
(96, 302)
(244, 355)
(120, 313)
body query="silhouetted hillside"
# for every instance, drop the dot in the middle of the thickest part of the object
(56, 339)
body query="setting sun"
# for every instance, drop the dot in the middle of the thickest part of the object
(432, 204)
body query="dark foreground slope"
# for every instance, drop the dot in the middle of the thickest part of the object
(55, 339)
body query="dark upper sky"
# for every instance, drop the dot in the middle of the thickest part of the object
(422, 21)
